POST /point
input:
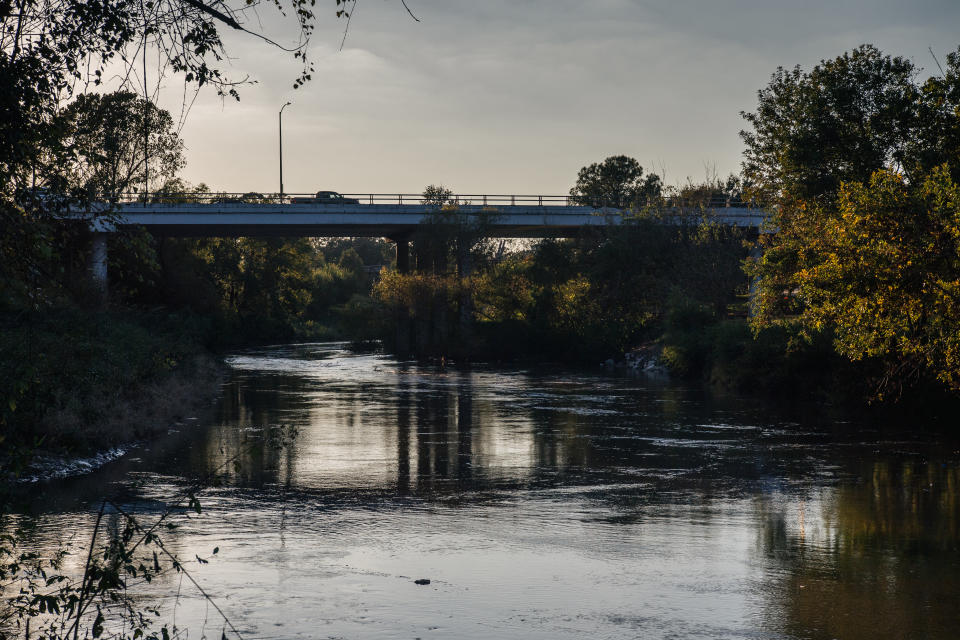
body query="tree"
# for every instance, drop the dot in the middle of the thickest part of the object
(616, 182)
(53, 49)
(884, 277)
(437, 196)
(50, 50)
(373, 251)
(105, 134)
(847, 118)
(861, 160)
(842, 121)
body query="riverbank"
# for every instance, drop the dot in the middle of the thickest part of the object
(79, 383)
(780, 366)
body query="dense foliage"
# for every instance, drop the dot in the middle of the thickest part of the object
(261, 288)
(861, 160)
(884, 276)
(73, 380)
(583, 300)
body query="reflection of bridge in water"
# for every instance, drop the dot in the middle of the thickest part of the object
(393, 216)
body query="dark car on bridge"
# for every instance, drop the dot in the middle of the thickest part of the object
(325, 197)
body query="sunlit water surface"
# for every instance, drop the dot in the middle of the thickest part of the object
(540, 504)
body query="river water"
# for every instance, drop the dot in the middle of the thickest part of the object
(540, 504)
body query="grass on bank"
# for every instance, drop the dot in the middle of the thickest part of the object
(75, 381)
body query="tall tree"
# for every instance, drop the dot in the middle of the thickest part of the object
(845, 119)
(112, 137)
(435, 195)
(50, 50)
(53, 49)
(861, 159)
(616, 182)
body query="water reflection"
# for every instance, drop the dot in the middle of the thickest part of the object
(544, 504)
(873, 558)
(420, 430)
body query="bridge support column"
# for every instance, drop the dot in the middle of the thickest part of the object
(403, 324)
(97, 266)
(464, 271)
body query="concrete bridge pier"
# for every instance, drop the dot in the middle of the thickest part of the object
(403, 324)
(97, 266)
(464, 271)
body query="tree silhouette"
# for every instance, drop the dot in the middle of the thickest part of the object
(616, 182)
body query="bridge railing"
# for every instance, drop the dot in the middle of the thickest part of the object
(487, 200)
(361, 198)
(481, 199)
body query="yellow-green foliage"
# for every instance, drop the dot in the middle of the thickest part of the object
(413, 291)
(505, 292)
(884, 274)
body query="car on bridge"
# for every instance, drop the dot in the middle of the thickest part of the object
(325, 197)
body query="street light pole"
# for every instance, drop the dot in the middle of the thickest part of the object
(280, 119)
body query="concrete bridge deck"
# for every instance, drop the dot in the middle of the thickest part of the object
(395, 221)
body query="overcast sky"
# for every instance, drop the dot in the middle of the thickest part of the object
(514, 96)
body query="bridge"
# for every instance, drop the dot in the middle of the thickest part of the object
(392, 216)
(389, 215)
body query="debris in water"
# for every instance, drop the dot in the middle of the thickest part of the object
(421, 581)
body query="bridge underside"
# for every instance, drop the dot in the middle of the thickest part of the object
(325, 229)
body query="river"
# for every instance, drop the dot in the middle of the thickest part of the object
(540, 503)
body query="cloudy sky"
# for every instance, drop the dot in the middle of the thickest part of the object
(514, 96)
